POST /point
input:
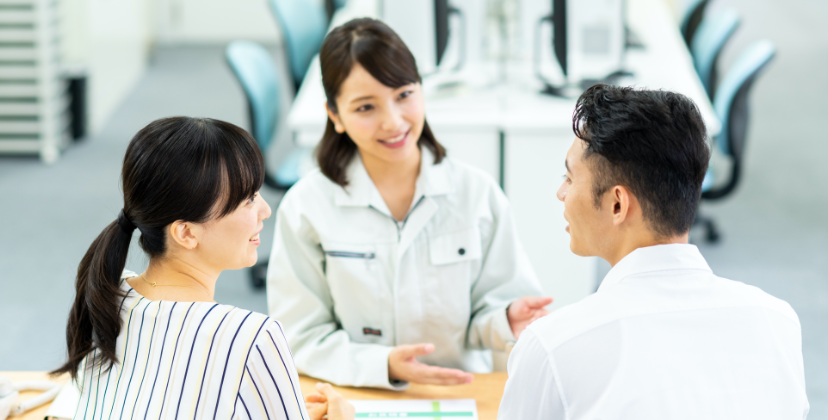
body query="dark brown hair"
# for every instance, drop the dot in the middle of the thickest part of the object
(378, 49)
(178, 168)
(650, 141)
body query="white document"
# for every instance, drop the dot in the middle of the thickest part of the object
(419, 409)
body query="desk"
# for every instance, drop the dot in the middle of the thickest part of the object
(520, 137)
(487, 390)
(40, 412)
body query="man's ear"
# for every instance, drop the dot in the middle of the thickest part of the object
(335, 118)
(185, 234)
(621, 200)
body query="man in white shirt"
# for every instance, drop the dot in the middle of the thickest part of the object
(663, 337)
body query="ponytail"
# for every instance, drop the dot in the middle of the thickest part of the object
(179, 168)
(95, 320)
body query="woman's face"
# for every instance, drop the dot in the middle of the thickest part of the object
(385, 123)
(231, 242)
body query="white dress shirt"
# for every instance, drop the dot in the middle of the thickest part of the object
(662, 338)
(348, 282)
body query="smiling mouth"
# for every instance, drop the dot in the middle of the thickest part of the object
(255, 238)
(397, 139)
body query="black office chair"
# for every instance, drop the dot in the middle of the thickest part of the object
(732, 108)
(691, 19)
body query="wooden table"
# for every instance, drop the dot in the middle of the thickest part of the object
(487, 390)
(40, 412)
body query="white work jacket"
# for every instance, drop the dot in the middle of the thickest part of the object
(348, 283)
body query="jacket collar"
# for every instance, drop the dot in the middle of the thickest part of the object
(656, 258)
(433, 180)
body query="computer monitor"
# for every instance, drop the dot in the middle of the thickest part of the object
(588, 41)
(441, 28)
(559, 37)
(426, 28)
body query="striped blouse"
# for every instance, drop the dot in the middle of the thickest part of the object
(193, 360)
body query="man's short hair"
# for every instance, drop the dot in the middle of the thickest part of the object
(652, 142)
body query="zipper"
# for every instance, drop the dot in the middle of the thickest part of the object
(346, 254)
(397, 225)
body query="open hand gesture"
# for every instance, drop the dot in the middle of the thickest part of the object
(403, 366)
(526, 310)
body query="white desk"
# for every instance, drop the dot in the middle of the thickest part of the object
(520, 137)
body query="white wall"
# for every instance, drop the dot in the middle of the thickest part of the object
(110, 40)
(214, 21)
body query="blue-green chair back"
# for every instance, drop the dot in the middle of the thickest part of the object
(304, 25)
(710, 38)
(731, 106)
(254, 68)
(691, 18)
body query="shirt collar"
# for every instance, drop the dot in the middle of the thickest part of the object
(433, 180)
(656, 258)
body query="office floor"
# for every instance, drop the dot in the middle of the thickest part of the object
(775, 235)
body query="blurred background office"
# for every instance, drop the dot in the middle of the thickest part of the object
(79, 77)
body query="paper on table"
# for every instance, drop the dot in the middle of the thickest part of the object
(465, 409)
(66, 402)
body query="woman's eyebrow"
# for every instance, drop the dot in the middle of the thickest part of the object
(362, 98)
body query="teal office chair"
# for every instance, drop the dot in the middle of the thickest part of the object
(731, 106)
(692, 17)
(710, 38)
(254, 69)
(304, 25)
(331, 6)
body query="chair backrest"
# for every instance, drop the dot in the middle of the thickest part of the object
(691, 18)
(254, 68)
(731, 103)
(331, 6)
(304, 25)
(713, 33)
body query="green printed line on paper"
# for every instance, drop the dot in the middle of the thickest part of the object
(420, 414)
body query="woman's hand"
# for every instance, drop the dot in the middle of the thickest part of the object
(317, 406)
(403, 366)
(525, 311)
(328, 402)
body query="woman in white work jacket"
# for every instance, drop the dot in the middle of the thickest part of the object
(392, 252)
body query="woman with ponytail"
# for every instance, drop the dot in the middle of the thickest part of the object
(156, 345)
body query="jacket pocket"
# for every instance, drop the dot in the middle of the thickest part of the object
(355, 278)
(455, 247)
(454, 258)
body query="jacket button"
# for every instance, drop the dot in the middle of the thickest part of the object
(461, 251)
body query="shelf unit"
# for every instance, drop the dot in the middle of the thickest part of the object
(33, 100)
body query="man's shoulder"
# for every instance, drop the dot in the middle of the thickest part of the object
(602, 308)
(753, 295)
(574, 319)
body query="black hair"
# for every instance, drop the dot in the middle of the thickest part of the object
(650, 141)
(378, 49)
(180, 168)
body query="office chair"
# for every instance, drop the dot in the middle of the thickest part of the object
(693, 14)
(304, 25)
(254, 69)
(731, 106)
(710, 38)
(331, 6)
